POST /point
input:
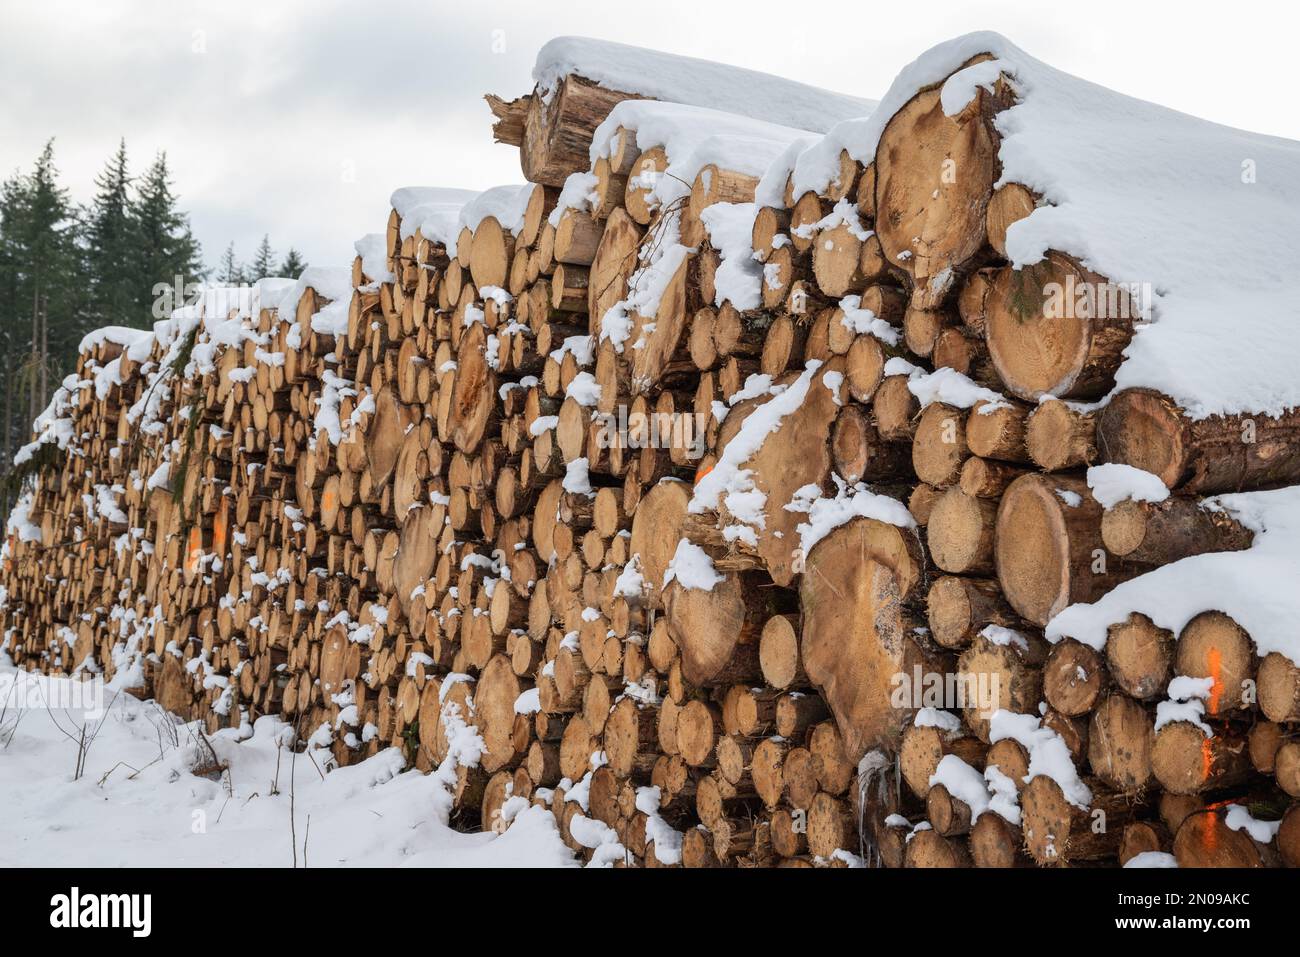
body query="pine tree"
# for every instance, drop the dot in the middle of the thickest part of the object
(14, 204)
(263, 264)
(166, 253)
(230, 272)
(110, 241)
(42, 238)
(293, 264)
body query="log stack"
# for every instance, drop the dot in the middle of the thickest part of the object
(729, 516)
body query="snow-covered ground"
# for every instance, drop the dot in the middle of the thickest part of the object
(136, 803)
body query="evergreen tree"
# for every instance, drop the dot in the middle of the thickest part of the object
(166, 253)
(14, 340)
(110, 242)
(230, 272)
(45, 313)
(263, 263)
(293, 264)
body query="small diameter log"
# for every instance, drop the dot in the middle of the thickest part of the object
(924, 746)
(1185, 761)
(959, 608)
(1073, 677)
(995, 842)
(860, 454)
(1010, 203)
(1059, 832)
(1279, 687)
(927, 848)
(895, 409)
(1288, 836)
(1214, 646)
(961, 532)
(1162, 532)
(1059, 435)
(778, 653)
(997, 431)
(939, 445)
(1142, 837)
(1006, 673)
(1205, 840)
(1120, 740)
(1149, 431)
(1139, 656)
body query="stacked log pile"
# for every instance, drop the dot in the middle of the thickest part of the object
(391, 507)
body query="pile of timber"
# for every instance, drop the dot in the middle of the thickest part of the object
(388, 507)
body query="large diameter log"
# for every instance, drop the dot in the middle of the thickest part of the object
(1217, 454)
(494, 704)
(794, 455)
(1052, 329)
(857, 635)
(656, 529)
(384, 435)
(557, 130)
(474, 393)
(1157, 533)
(613, 265)
(656, 340)
(934, 179)
(710, 626)
(1048, 547)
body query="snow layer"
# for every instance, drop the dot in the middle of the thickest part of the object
(1202, 215)
(1256, 587)
(739, 276)
(368, 814)
(433, 211)
(680, 79)
(1113, 483)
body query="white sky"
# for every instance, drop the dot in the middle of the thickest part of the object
(299, 119)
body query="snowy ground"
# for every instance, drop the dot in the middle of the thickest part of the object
(136, 803)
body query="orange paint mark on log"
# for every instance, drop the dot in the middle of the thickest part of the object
(219, 527)
(1207, 759)
(701, 472)
(194, 552)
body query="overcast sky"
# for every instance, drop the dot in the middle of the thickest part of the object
(299, 119)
